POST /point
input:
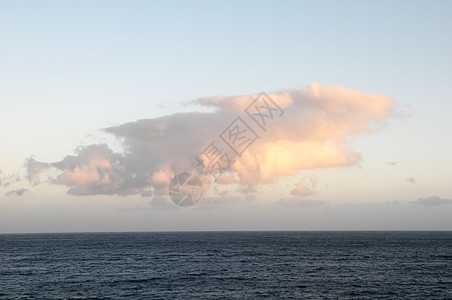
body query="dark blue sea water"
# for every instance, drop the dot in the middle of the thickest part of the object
(235, 265)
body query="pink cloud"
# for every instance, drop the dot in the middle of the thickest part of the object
(313, 132)
(301, 190)
(86, 174)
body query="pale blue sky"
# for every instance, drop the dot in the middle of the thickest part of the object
(70, 68)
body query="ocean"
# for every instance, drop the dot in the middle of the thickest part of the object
(227, 265)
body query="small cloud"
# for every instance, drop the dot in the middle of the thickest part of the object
(34, 168)
(393, 163)
(301, 190)
(297, 201)
(305, 187)
(18, 192)
(8, 179)
(432, 201)
(410, 179)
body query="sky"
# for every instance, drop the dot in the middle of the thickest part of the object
(104, 102)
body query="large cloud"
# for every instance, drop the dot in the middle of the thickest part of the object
(308, 130)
